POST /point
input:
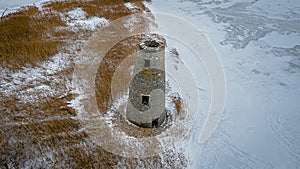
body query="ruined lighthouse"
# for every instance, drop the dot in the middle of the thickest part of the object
(146, 103)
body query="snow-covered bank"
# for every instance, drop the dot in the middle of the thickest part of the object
(7, 7)
(17, 3)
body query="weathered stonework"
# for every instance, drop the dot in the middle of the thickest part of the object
(146, 104)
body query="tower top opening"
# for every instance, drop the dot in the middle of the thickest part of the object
(152, 44)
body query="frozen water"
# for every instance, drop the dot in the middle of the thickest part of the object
(17, 3)
(259, 45)
(13, 5)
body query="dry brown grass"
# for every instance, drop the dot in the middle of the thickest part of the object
(58, 142)
(107, 69)
(23, 37)
(47, 134)
(110, 9)
(28, 36)
(178, 102)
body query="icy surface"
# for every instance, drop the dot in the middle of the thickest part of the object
(13, 5)
(259, 44)
(18, 3)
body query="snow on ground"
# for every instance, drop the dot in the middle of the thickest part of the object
(130, 23)
(36, 84)
(131, 6)
(76, 19)
(13, 5)
(259, 45)
(17, 3)
(40, 80)
(44, 80)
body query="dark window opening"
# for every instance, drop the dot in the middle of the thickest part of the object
(152, 44)
(145, 100)
(147, 63)
(155, 123)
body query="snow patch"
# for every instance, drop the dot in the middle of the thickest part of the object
(76, 19)
(130, 23)
(39, 80)
(129, 5)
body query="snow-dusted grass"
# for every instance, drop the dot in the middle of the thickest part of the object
(77, 19)
(40, 128)
(34, 84)
(131, 6)
(49, 79)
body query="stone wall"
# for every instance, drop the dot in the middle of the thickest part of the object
(148, 80)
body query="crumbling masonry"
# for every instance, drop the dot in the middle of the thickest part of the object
(146, 104)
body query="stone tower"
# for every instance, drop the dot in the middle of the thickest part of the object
(146, 103)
